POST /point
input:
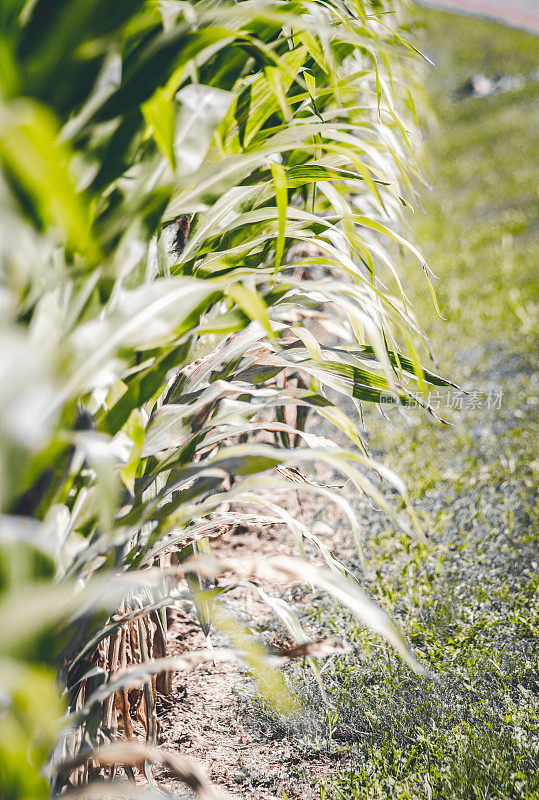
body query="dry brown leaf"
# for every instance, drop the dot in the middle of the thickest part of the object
(320, 649)
(135, 754)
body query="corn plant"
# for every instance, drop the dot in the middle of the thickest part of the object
(201, 219)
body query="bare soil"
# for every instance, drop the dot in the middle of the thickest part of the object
(203, 717)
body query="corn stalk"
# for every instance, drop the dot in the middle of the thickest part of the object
(202, 210)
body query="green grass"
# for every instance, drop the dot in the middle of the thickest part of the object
(468, 599)
(477, 232)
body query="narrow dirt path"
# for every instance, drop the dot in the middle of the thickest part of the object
(205, 717)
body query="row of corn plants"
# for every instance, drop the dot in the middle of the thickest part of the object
(201, 216)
